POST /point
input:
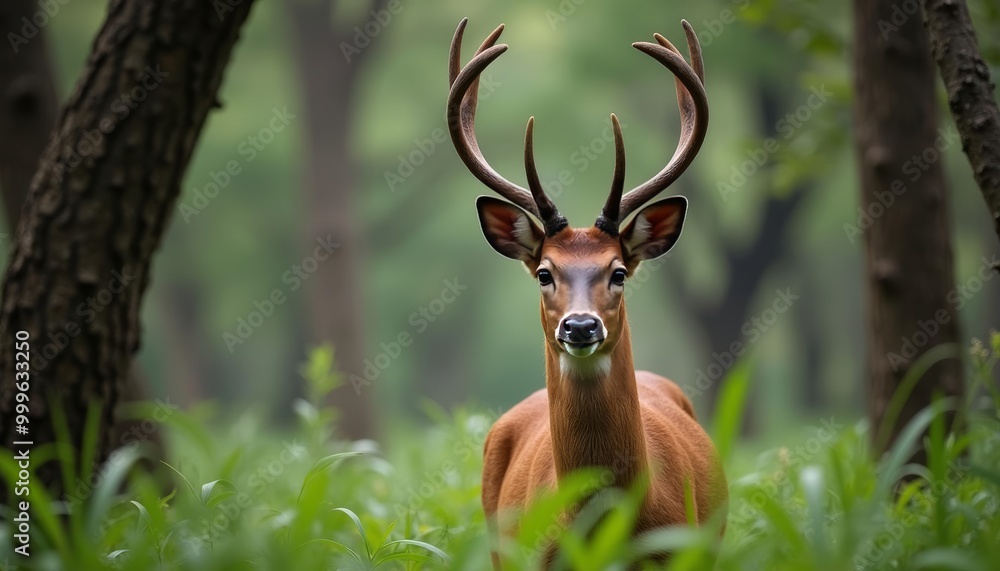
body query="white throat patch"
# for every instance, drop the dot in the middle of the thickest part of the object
(584, 367)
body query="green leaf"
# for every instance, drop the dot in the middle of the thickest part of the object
(905, 444)
(947, 558)
(668, 539)
(143, 514)
(814, 487)
(91, 434)
(729, 411)
(115, 470)
(408, 556)
(114, 555)
(194, 493)
(923, 363)
(783, 523)
(41, 505)
(336, 544)
(207, 489)
(689, 507)
(421, 544)
(361, 530)
(320, 468)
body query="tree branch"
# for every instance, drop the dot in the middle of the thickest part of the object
(970, 93)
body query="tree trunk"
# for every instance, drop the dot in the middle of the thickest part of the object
(98, 208)
(812, 396)
(27, 105)
(907, 246)
(189, 371)
(970, 93)
(27, 116)
(335, 309)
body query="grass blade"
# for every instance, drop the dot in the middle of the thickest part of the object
(336, 544)
(117, 467)
(361, 529)
(729, 412)
(421, 544)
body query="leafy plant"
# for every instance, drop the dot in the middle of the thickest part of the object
(252, 498)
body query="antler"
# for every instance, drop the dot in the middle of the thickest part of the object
(610, 215)
(693, 105)
(462, 100)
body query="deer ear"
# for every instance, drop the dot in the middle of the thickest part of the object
(509, 229)
(654, 230)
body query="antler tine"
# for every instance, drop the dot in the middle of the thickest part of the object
(609, 218)
(462, 102)
(694, 49)
(455, 54)
(547, 211)
(692, 102)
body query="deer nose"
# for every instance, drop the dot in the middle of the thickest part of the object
(580, 329)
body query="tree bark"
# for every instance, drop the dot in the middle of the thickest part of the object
(27, 116)
(907, 246)
(971, 94)
(27, 105)
(335, 308)
(98, 207)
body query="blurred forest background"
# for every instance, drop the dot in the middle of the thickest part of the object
(334, 121)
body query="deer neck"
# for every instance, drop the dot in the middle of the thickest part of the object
(594, 413)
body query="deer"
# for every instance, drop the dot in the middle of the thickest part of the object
(596, 410)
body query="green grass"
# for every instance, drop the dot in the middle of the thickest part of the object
(243, 496)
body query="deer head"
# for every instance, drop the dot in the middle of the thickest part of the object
(581, 271)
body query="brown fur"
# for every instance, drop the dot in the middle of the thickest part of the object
(633, 423)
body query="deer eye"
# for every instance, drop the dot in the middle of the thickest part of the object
(618, 277)
(544, 277)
